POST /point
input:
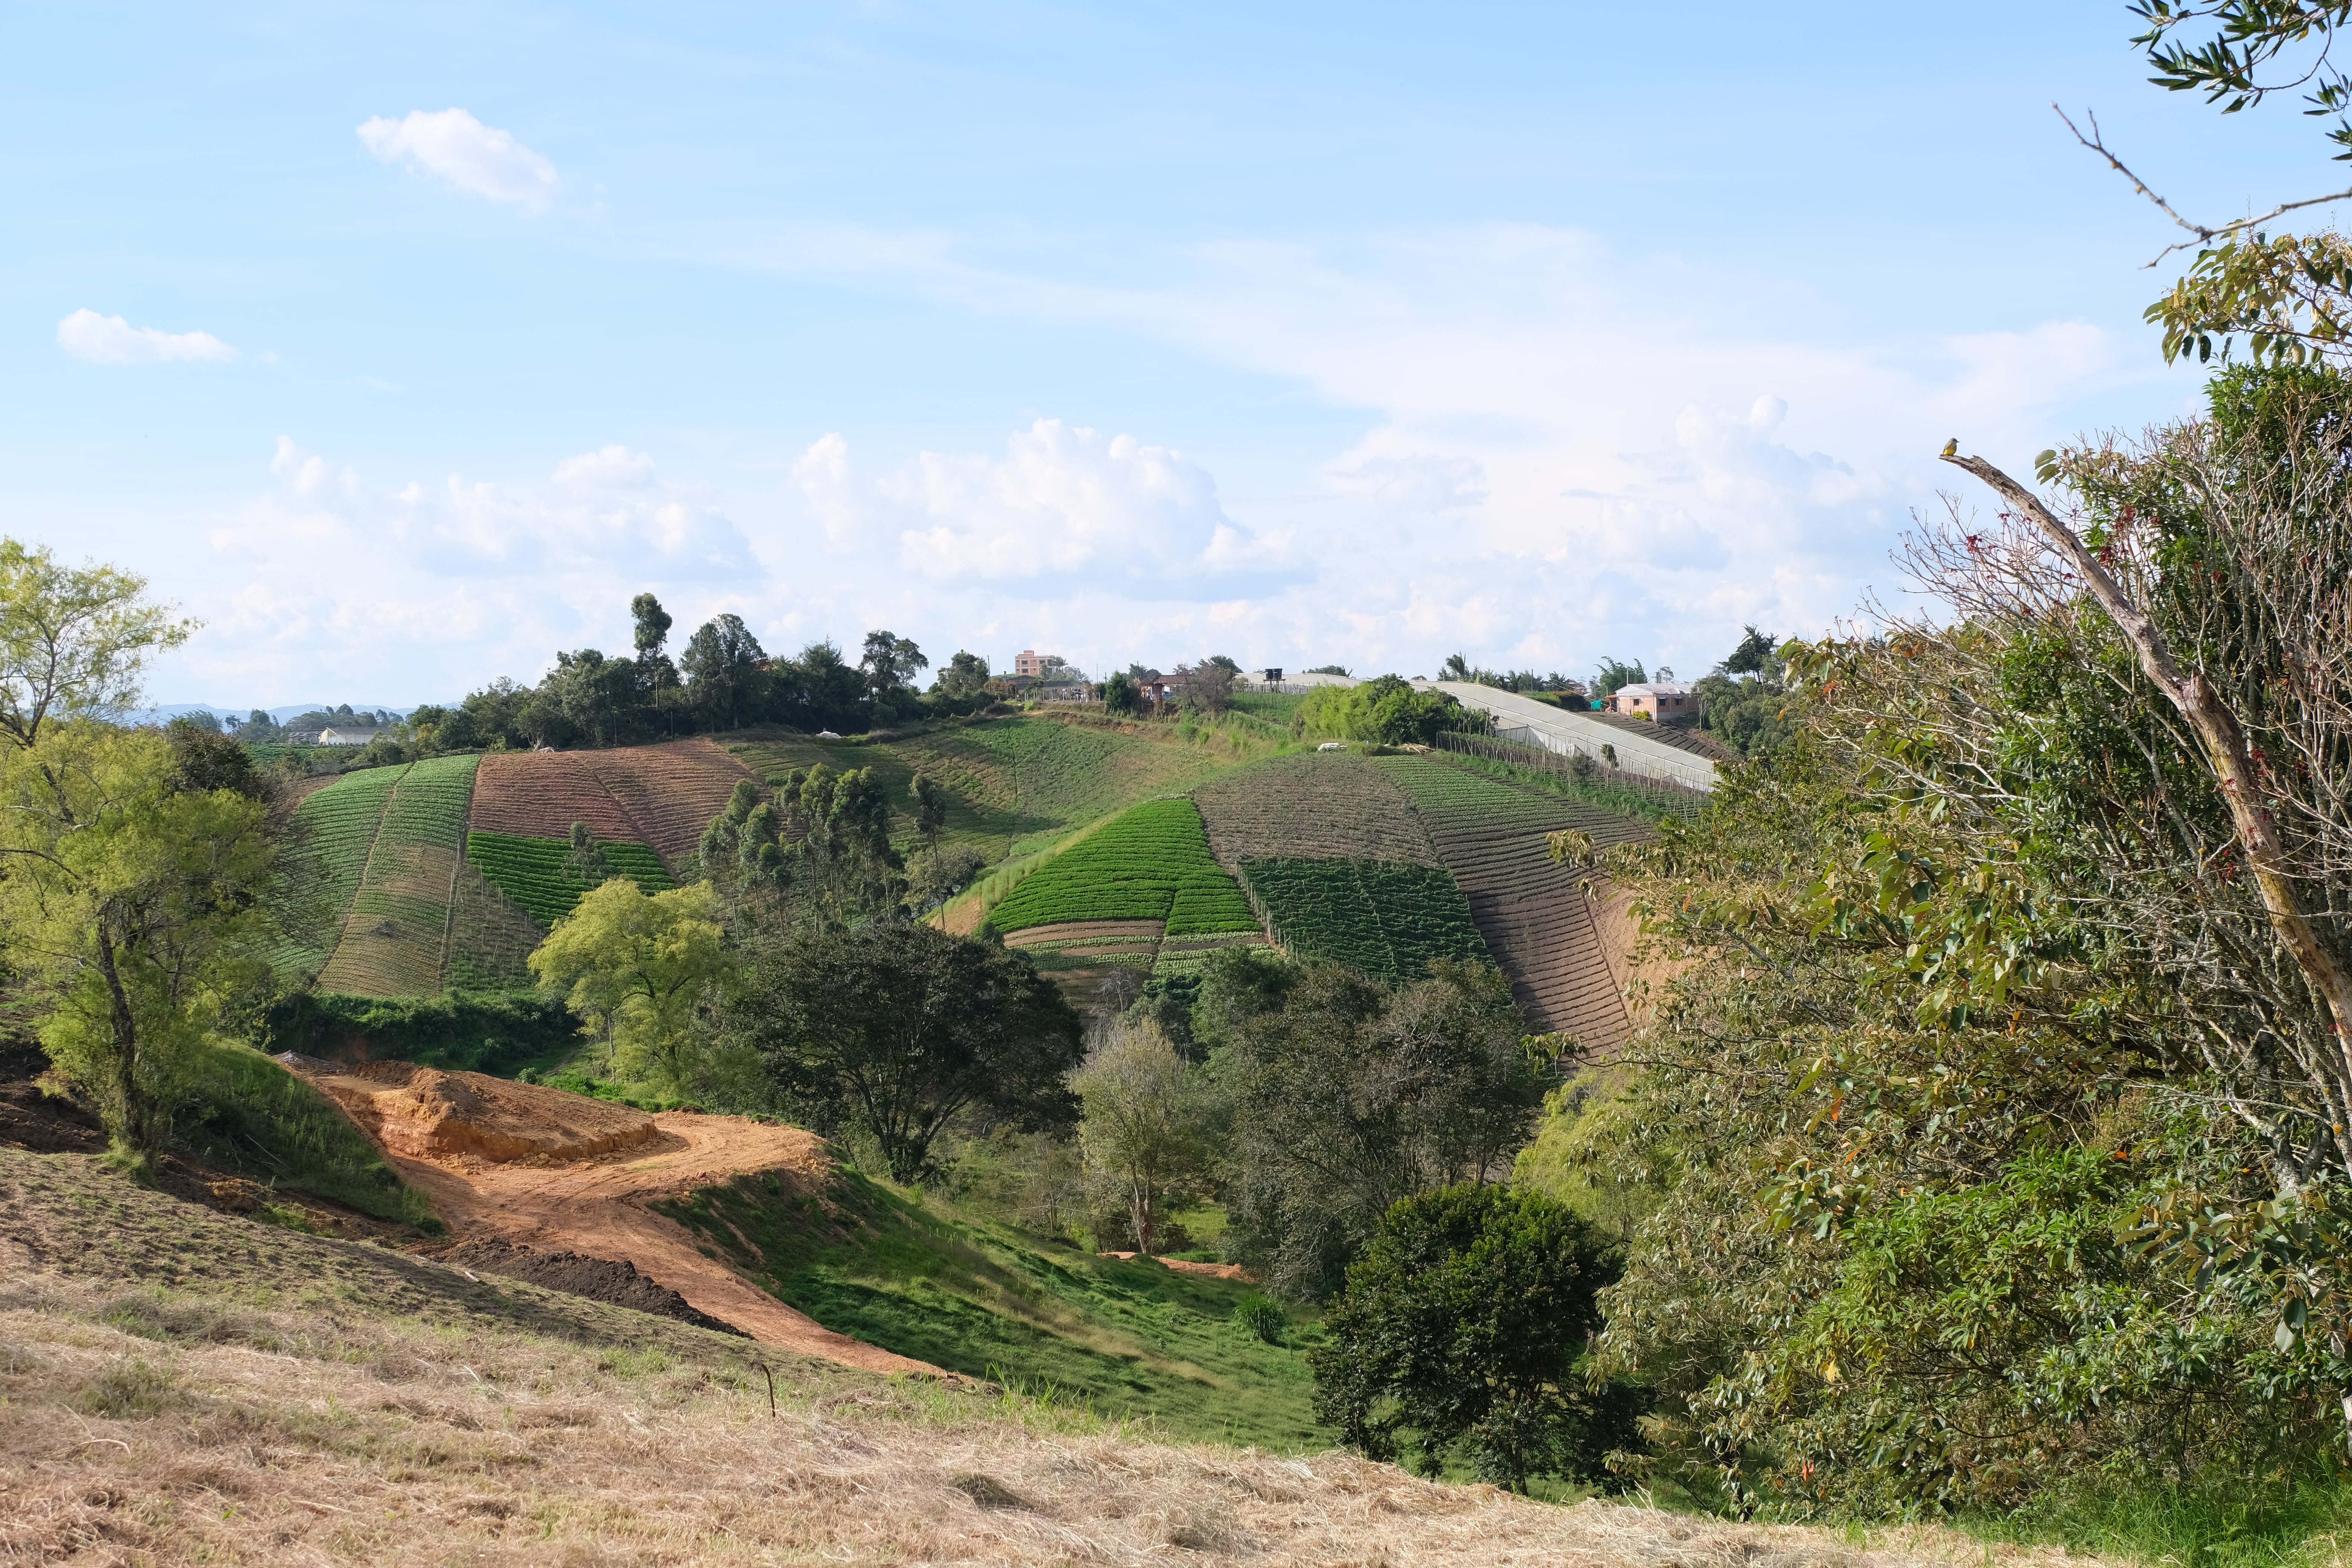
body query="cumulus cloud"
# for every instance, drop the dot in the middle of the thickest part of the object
(1062, 501)
(477, 159)
(110, 340)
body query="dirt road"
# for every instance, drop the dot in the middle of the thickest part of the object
(597, 1205)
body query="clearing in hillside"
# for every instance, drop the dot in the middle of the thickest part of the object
(540, 876)
(397, 935)
(1151, 863)
(336, 828)
(540, 794)
(1385, 918)
(1536, 917)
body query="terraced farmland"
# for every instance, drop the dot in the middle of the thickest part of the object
(540, 794)
(490, 936)
(338, 827)
(668, 793)
(1312, 805)
(1384, 918)
(536, 873)
(1534, 915)
(395, 937)
(1130, 868)
(1023, 784)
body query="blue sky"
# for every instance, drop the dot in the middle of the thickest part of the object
(402, 345)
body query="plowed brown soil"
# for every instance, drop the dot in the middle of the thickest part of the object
(564, 1197)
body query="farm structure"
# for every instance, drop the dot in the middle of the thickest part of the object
(1536, 917)
(660, 797)
(395, 941)
(1385, 918)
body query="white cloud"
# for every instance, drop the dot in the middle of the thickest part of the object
(110, 340)
(477, 159)
(1062, 501)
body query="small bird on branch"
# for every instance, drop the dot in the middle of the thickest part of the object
(1952, 447)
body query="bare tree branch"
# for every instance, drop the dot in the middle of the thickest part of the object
(2206, 232)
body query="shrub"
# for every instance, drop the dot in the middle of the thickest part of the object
(1460, 1333)
(1261, 1318)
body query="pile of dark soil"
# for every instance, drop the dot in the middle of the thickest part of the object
(597, 1278)
(45, 1123)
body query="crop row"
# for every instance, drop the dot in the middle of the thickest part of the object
(669, 792)
(1451, 797)
(1129, 869)
(336, 826)
(1382, 918)
(1206, 904)
(1315, 806)
(537, 873)
(540, 794)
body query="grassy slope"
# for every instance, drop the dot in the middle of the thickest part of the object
(252, 1116)
(985, 1299)
(1152, 863)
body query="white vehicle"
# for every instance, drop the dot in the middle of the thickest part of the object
(1332, 746)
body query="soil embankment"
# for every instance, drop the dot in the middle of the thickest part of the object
(580, 1178)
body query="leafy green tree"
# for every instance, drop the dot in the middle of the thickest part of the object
(1463, 1328)
(930, 808)
(935, 875)
(890, 663)
(1386, 712)
(652, 624)
(901, 1032)
(1348, 1095)
(1146, 1128)
(74, 641)
(838, 862)
(965, 675)
(1118, 694)
(636, 967)
(721, 665)
(586, 861)
(1614, 675)
(130, 910)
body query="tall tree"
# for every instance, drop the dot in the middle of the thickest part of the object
(721, 665)
(902, 1031)
(889, 663)
(74, 641)
(1145, 1135)
(636, 967)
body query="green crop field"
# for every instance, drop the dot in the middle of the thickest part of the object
(335, 828)
(1383, 917)
(536, 873)
(393, 939)
(1131, 868)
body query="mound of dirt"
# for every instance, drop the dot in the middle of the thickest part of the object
(597, 1278)
(427, 1114)
(45, 1124)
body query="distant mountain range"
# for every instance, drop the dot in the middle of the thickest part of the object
(166, 711)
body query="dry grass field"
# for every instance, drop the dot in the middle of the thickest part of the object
(267, 1397)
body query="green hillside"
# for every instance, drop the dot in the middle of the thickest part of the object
(536, 873)
(334, 829)
(1380, 917)
(1152, 863)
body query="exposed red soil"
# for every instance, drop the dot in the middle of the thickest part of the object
(425, 1114)
(598, 1204)
(1082, 930)
(540, 794)
(1188, 1266)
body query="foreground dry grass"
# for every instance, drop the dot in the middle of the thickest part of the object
(237, 1418)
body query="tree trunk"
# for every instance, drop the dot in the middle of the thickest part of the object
(2225, 750)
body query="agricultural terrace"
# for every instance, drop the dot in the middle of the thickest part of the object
(490, 936)
(538, 874)
(395, 938)
(1131, 868)
(336, 828)
(668, 793)
(769, 754)
(1023, 784)
(1312, 805)
(1535, 916)
(540, 794)
(1385, 918)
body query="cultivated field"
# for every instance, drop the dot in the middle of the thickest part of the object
(338, 824)
(1385, 918)
(490, 936)
(1131, 868)
(540, 794)
(538, 876)
(1535, 916)
(669, 793)
(395, 937)
(1312, 805)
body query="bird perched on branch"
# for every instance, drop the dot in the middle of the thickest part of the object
(1952, 447)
